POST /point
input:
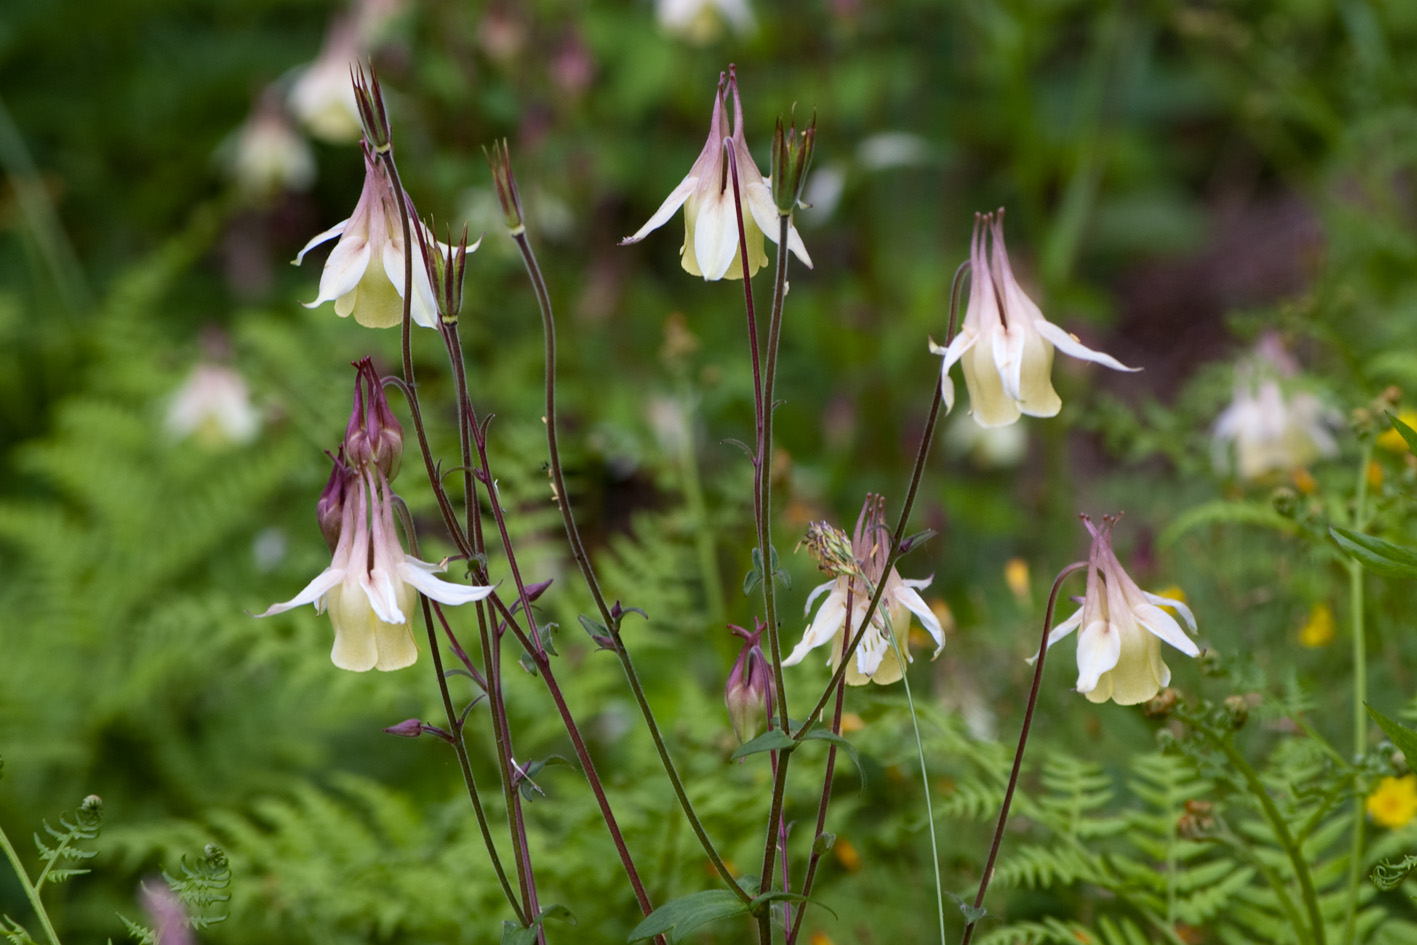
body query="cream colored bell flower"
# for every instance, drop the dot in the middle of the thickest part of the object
(372, 584)
(364, 273)
(711, 245)
(1122, 628)
(1005, 346)
(875, 659)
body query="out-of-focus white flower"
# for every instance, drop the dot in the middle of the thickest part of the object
(1006, 345)
(322, 96)
(702, 21)
(711, 245)
(268, 155)
(213, 406)
(987, 447)
(1119, 648)
(1272, 432)
(364, 273)
(860, 569)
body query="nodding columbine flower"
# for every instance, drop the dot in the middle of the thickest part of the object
(856, 579)
(372, 584)
(711, 245)
(1119, 647)
(748, 693)
(214, 407)
(1005, 346)
(364, 274)
(1272, 432)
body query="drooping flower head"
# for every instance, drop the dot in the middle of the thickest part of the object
(748, 693)
(1005, 346)
(213, 406)
(858, 568)
(1122, 627)
(372, 584)
(364, 273)
(711, 247)
(1269, 430)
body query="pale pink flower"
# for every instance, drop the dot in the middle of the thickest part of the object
(1005, 346)
(364, 273)
(213, 406)
(372, 584)
(711, 246)
(875, 659)
(1122, 628)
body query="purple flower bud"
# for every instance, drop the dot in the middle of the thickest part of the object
(748, 694)
(329, 511)
(373, 436)
(410, 728)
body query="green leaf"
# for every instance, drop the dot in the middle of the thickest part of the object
(681, 916)
(1403, 737)
(1375, 554)
(775, 740)
(513, 934)
(827, 735)
(755, 576)
(1221, 512)
(531, 769)
(824, 842)
(1406, 432)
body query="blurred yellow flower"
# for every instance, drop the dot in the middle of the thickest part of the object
(847, 856)
(1391, 439)
(1375, 475)
(1319, 631)
(1394, 802)
(1304, 481)
(1016, 577)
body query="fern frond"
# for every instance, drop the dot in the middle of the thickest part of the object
(15, 933)
(83, 828)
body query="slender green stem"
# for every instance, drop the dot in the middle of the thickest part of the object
(1360, 690)
(896, 549)
(998, 841)
(31, 893)
(582, 559)
(459, 744)
(924, 774)
(524, 873)
(1315, 932)
(827, 775)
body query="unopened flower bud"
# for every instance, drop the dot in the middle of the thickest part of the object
(1161, 704)
(1198, 822)
(748, 695)
(791, 156)
(329, 510)
(374, 436)
(369, 97)
(832, 548)
(409, 728)
(1237, 711)
(500, 160)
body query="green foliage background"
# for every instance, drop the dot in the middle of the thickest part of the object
(1179, 177)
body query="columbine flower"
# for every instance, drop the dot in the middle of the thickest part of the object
(1271, 432)
(710, 214)
(1119, 648)
(322, 96)
(372, 584)
(214, 407)
(1394, 802)
(857, 579)
(748, 693)
(1006, 345)
(364, 274)
(267, 155)
(701, 21)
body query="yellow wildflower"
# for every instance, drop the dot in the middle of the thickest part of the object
(1319, 631)
(1394, 803)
